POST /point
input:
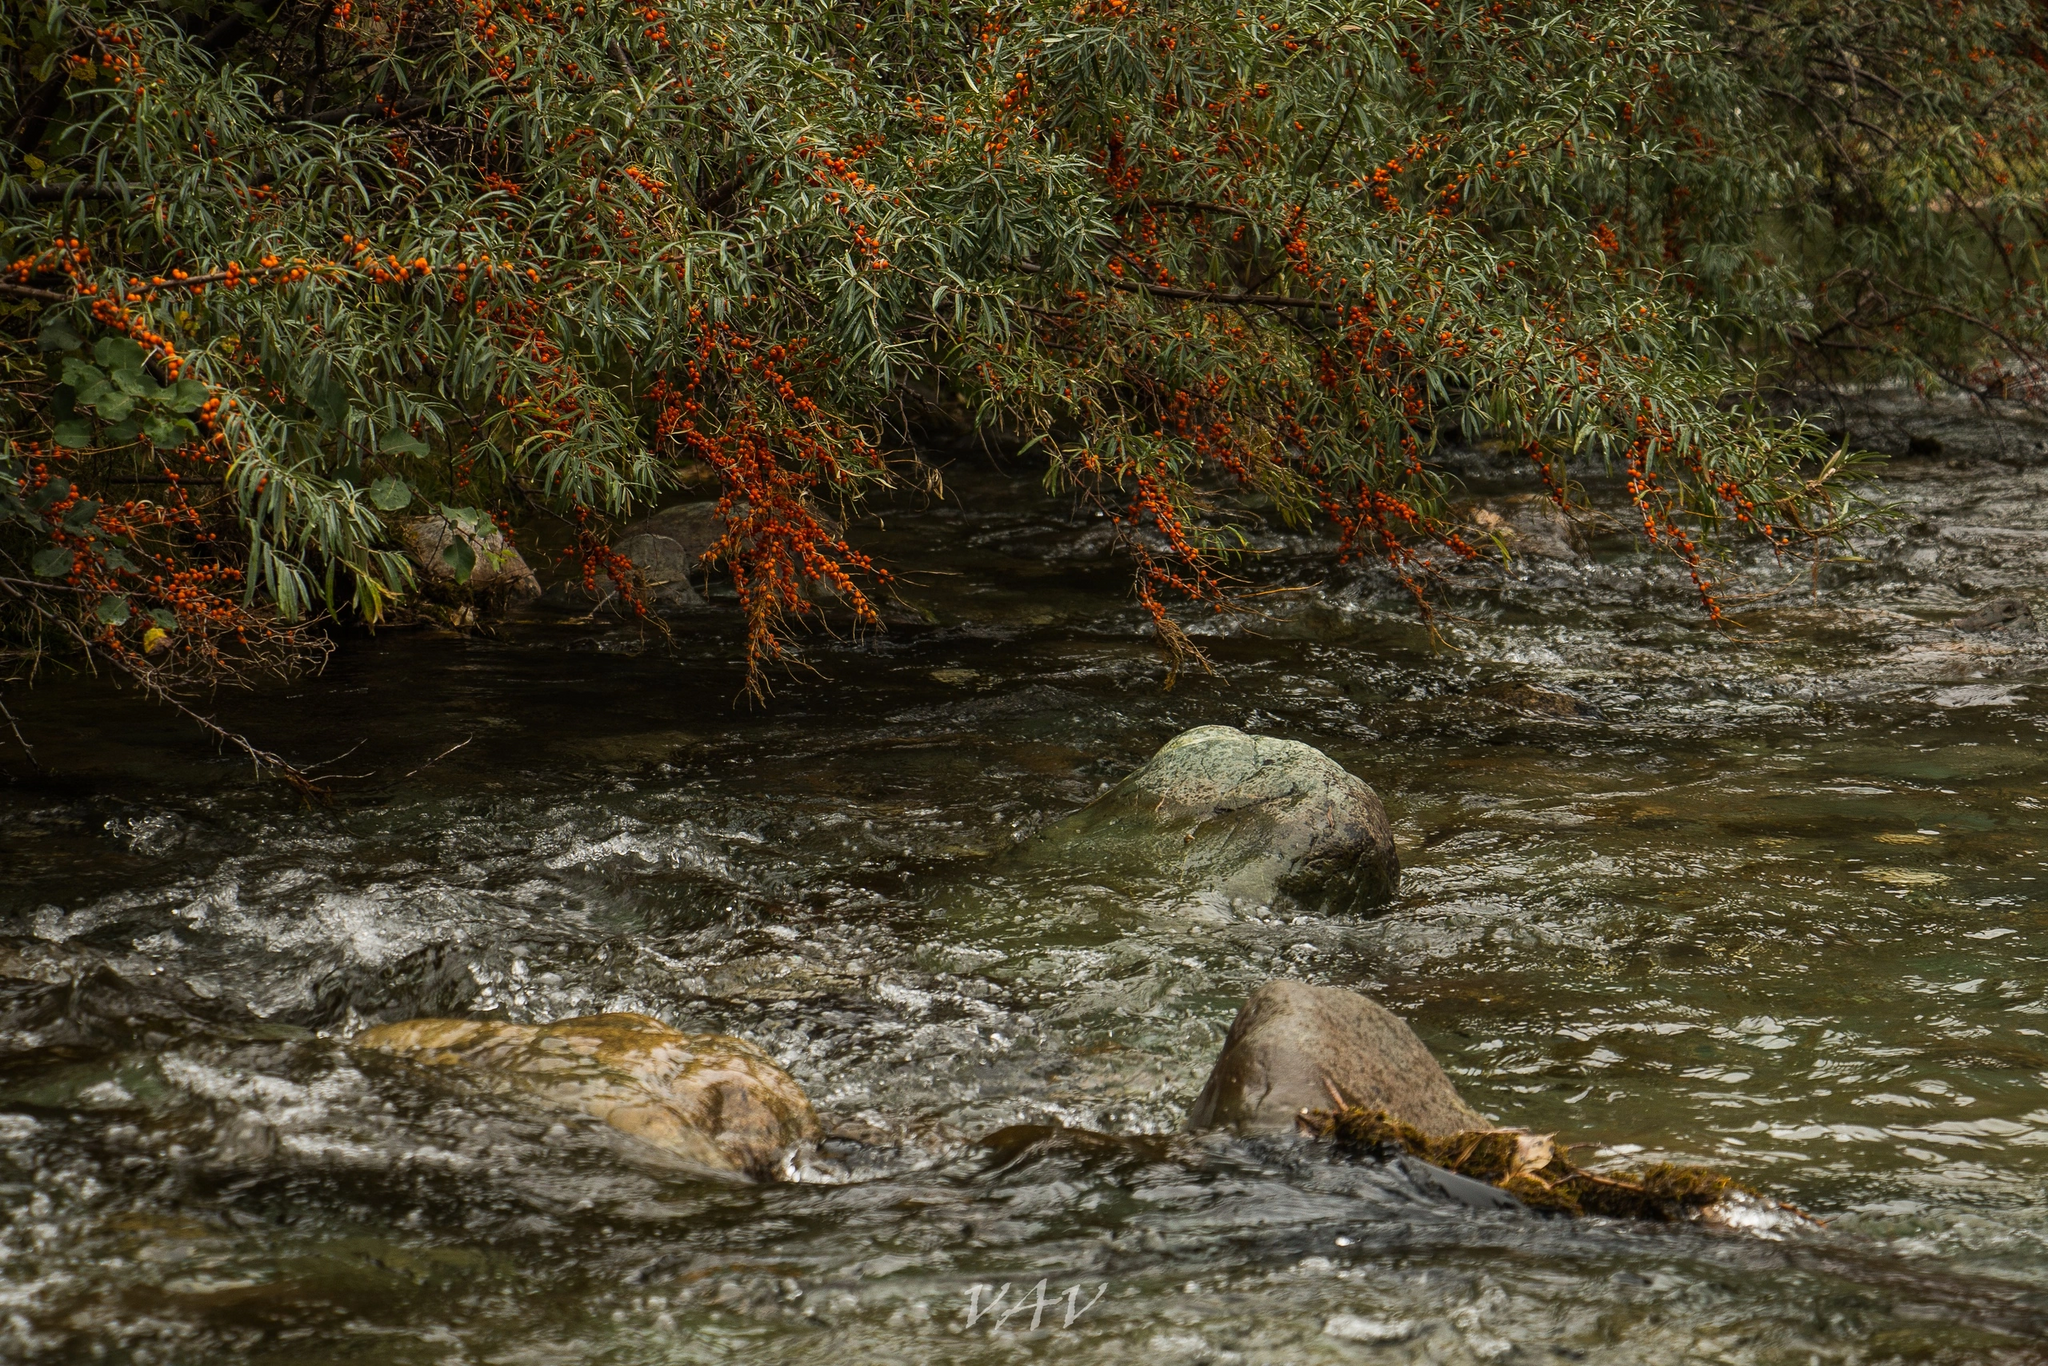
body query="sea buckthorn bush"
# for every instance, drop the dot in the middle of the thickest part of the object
(275, 278)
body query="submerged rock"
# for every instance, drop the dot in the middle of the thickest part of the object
(714, 1103)
(1534, 701)
(1537, 1172)
(1296, 1047)
(2000, 614)
(1251, 818)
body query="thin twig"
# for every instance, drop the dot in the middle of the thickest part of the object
(436, 759)
(262, 758)
(19, 738)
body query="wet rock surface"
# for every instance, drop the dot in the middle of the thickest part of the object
(667, 549)
(1250, 819)
(2000, 614)
(1295, 1047)
(713, 1103)
(1531, 700)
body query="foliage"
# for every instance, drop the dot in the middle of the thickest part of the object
(1909, 244)
(297, 273)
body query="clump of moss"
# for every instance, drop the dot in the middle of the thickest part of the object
(1530, 1167)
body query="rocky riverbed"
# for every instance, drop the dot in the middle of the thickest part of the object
(1762, 899)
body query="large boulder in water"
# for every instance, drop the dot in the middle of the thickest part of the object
(1296, 1047)
(711, 1102)
(668, 548)
(1257, 820)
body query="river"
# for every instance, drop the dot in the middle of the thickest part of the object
(1770, 899)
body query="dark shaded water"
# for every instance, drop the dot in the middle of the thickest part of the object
(1775, 907)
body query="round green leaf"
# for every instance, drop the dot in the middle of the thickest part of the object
(459, 556)
(113, 405)
(53, 562)
(389, 495)
(117, 353)
(137, 382)
(183, 396)
(83, 374)
(113, 609)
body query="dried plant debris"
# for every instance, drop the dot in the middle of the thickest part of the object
(1530, 1167)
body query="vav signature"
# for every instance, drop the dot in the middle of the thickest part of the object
(1001, 1311)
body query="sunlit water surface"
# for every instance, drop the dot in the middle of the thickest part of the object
(1776, 907)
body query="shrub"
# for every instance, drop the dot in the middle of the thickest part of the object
(283, 276)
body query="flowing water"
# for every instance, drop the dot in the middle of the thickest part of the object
(1770, 900)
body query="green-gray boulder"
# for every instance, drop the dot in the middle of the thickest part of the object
(1257, 821)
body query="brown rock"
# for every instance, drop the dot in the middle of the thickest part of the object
(1296, 1047)
(714, 1103)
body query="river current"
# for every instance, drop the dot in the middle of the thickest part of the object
(1768, 898)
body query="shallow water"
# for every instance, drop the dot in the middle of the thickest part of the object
(1774, 908)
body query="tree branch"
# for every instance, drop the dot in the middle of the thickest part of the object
(1204, 296)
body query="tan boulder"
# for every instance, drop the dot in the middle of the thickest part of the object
(498, 569)
(714, 1103)
(1528, 526)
